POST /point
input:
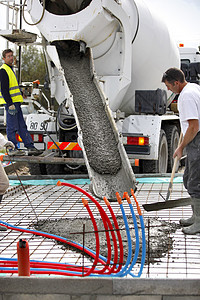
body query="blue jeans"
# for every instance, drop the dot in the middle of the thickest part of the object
(15, 123)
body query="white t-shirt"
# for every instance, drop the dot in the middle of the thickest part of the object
(189, 105)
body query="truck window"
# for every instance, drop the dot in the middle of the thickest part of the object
(185, 61)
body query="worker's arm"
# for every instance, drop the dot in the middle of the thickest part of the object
(193, 128)
(4, 80)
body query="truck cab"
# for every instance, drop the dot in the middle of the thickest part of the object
(190, 63)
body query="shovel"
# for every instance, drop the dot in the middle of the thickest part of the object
(169, 203)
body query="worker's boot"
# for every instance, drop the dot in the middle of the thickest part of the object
(195, 227)
(189, 221)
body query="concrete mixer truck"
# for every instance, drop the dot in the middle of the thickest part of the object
(105, 61)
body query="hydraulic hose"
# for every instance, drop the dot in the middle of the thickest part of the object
(61, 124)
(33, 24)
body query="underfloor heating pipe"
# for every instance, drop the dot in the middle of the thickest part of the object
(51, 236)
(85, 203)
(143, 237)
(137, 241)
(58, 272)
(99, 208)
(121, 248)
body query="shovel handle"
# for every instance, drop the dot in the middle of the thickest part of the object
(176, 159)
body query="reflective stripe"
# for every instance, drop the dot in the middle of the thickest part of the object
(64, 146)
(13, 88)
(15, 94)
(12, 95)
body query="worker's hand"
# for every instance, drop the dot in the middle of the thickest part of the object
(12, 110)
(9, 145)
(178, 152)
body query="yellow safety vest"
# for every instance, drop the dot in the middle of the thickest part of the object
(14, 90)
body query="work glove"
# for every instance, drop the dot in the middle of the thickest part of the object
(12, 110)
(9, 145)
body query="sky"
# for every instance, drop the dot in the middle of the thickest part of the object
(181, 17)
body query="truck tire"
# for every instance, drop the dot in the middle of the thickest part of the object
(160, 165)
(172, 134)
(37, 169)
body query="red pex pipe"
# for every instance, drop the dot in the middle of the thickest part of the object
(85, 203)
(22, 258)
(121, 257)
(41, 265)
(106, 267)
(104, 217)
(44, 265)
(57, 239)
(59, 183)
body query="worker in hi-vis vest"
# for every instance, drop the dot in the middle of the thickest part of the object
(11, 97)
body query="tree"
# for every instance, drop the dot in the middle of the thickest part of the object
(33, 64)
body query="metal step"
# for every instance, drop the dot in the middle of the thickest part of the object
(51, 160)
(44, 160)
(18, 36)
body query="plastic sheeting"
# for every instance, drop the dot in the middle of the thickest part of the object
(158, 180)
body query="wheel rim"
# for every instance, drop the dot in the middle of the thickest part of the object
(163, 155)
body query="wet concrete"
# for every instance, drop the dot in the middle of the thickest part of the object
(158, 235)
(98, 138)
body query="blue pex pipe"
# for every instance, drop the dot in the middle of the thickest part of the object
(123, 270)
(53, 236)
(137, 241)
(143, 249)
